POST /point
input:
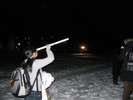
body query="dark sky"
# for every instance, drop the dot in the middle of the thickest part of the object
(94, 22)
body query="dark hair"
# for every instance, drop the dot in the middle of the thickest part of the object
(28, 51)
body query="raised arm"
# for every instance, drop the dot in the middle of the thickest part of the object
(40, 63)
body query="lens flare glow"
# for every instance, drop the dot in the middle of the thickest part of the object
(82, 47)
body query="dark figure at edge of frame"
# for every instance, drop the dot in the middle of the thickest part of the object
(126, 75)
(117, 64)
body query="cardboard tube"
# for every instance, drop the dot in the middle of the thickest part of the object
(52, 44)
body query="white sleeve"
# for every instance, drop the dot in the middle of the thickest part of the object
(40, 63)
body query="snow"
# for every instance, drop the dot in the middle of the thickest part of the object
(76, 78)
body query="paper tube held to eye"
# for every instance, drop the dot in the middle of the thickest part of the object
(43, 47)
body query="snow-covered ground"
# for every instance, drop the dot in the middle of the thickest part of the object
(76, 78)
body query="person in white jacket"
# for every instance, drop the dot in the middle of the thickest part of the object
(33, 65)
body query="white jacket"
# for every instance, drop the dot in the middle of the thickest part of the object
(38, 64)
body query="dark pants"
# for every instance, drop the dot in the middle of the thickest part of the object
(116, 69)
(34, 96)
(128, 86)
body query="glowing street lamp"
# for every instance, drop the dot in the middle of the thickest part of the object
(82, 47)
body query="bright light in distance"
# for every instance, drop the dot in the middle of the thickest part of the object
(18, 43)
(82, 47)
(122, 47)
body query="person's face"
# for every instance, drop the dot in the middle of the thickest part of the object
(35, 54)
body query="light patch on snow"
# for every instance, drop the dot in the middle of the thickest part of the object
(93, 82)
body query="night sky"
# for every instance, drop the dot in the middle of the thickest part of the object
(100, 24)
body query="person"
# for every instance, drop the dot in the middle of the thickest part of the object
(117, 64)
(126, 75)
(33, 65)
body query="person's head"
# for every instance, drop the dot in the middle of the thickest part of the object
(30, 52)
(126, 41)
